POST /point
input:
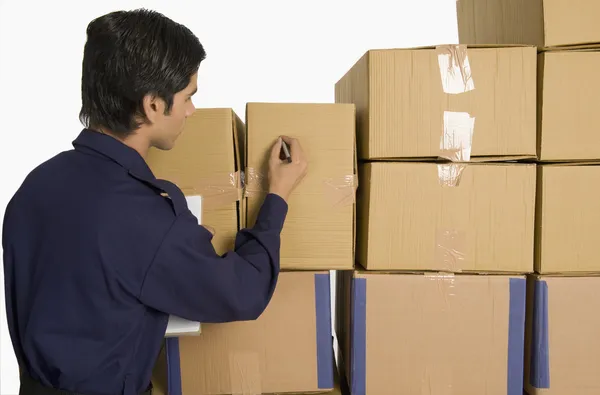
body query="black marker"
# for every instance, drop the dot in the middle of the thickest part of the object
(286, 151)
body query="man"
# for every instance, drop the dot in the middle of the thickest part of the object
(96, 255)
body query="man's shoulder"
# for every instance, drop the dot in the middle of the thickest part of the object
(51, 164)
(59, 167)
(93, 182)
(42, 175)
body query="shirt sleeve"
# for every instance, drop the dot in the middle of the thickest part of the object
(189, 279)
(9, 283)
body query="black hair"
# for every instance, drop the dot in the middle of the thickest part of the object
(131, 54)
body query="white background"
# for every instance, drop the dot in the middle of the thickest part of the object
(258, 50)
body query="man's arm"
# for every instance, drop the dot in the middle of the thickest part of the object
(189, 279)
(9, 281)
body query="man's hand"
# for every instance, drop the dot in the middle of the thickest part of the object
(210, 229)
(284, 176)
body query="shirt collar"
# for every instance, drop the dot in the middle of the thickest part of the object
(113, 149)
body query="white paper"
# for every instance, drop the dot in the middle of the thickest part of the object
(195, 205)
(178, 326)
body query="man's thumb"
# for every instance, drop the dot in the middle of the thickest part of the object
(210, 229)
(276, 150)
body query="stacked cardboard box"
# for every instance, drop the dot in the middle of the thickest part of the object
(319, 229)
(445, 220)
(562, 347)
(544, 23)
(289, 348)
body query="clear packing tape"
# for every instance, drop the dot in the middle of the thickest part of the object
(222, 190)
(458, 127)
(456, 142)
(455, 146)
(217, 191)
(455, 69)
(450, 247)
(339, 191)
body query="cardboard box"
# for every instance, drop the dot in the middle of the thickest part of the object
(319, 229)
(433, 334)
(544, 23)
(450, 101)
(569, 96)
(446, 217)
(288, 349)
(562, 344)
(568, 215)
(205, 164)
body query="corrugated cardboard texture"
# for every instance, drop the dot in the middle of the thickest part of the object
(337, 390)
(567, 220)
(410, 219)
(206, 161)
(276, 353)
(545, 23)
(319, 229)
(436, 334)
(570, 93)
(400, 101)
(562, 343)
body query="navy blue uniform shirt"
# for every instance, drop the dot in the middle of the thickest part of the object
(96, 258)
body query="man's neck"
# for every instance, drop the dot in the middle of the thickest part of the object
(134, 141)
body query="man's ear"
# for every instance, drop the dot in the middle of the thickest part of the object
(154, 107)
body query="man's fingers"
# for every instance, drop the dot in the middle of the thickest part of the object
(276, 150)
(295, 148)
(287, 139)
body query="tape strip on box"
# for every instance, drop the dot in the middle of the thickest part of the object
(450, 174)
(455, 145)
(217, 191)
(450, 250)
(323, 331)
(455, 69)
(516, 335)
(457, 129)
(539, 376)
(340, 192)
(358, 352)
(457, 136)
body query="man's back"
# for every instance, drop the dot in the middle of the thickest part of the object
(77, 237)
(98, 252)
